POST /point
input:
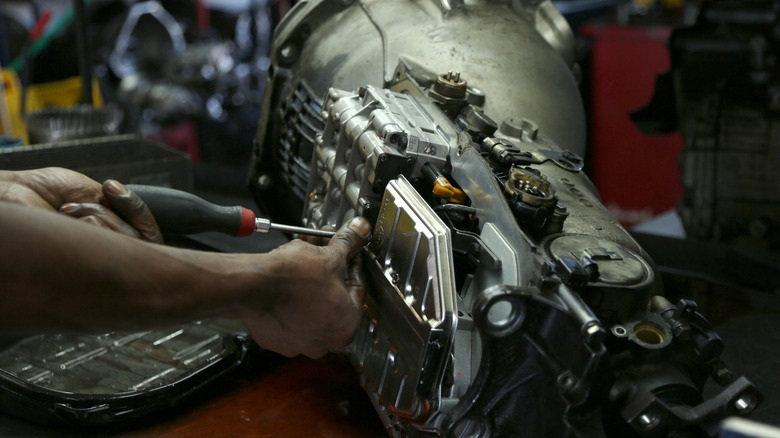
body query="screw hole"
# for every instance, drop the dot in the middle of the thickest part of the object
(619, 331)
(504, 316)
(500, 314)
(745, 403)
(648, 420)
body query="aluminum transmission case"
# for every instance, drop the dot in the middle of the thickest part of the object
(504, 300)
(347, 44)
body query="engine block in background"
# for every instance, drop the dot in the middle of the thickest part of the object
(504, 299)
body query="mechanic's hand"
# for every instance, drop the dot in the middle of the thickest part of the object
(319, 240)
(128, 213)
(48, 188)
(317, 295)
(79, 196)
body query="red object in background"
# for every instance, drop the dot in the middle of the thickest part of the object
(202, 12)
(182, 136)
(40, 25)
(636, 174)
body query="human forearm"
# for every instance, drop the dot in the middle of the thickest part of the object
(60, 274)
(78, 196)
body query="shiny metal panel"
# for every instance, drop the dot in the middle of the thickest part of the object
(411, 316)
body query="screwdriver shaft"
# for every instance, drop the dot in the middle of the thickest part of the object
(302, 230)
(263, 225)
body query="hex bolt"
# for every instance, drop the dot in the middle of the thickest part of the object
(720, 373)
(595, 334)
(673, 316)
(723, 376)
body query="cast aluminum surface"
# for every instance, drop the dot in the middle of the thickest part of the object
(528, 71)
(368, 138)
(368, 40)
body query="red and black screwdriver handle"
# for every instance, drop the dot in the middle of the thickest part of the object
(182, 213)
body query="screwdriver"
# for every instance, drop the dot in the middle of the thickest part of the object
(180, 213)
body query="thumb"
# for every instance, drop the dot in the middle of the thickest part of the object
(351, 237)
(132, 209)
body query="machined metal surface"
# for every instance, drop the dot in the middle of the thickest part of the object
(369, 138)
(264, 225)
(401, 348)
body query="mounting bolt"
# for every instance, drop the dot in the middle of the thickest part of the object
(681, 331)
(720, 373)
(595, 334)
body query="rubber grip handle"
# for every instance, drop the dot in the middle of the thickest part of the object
(181, 213)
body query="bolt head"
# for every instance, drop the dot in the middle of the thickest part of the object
(722, 376)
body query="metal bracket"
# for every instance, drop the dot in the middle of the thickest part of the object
(508, 153)
(471, 245)
(529, 345)
(650, 416)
